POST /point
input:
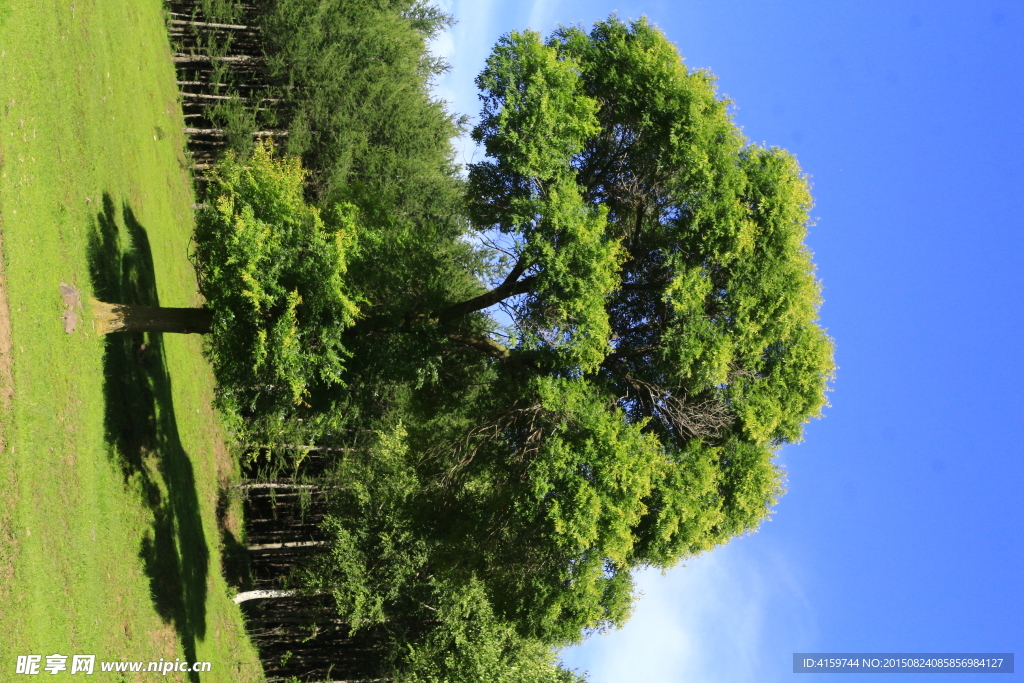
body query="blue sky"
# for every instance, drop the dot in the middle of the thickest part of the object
(901, 531)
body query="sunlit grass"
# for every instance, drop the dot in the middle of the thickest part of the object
(109, 539)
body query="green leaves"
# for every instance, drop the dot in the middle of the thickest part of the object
(374, 552)
(577, 271)
(353, 78)
(669, 333)
(593, 471)
(272, 270)
(746, 319)
(534, 116)
(472, 644)
(588, 480)
(664, 343)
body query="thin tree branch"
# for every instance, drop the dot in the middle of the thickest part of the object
(480, 343)
(509, 288)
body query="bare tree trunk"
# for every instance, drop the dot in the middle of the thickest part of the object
(287, 547)
(109, 318)
(180, 58)
(222, 132)
(259, 595)
(206, 24)
(273, 485)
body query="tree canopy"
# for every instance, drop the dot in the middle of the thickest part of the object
(659, 341)
(272, 270)
(576, 362)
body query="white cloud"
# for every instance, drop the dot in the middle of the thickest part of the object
(540, 15)
(733, 615)
(465, 46)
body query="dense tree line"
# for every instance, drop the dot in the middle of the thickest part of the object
(436, 492)
(340, 82)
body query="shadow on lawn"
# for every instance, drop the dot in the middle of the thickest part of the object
(142, 429)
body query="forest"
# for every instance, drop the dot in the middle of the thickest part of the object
(470, 402)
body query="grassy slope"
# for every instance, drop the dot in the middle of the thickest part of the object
(109, 539)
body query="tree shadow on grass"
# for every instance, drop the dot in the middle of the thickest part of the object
(142, 429)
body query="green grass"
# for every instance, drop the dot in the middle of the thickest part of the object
(112, 461)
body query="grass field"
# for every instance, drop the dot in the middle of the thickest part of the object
(111, 459)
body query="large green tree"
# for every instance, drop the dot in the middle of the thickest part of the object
(584, 369)
(659, 344)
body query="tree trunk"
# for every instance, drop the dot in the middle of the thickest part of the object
(286, 547)
(206, 24)
(273, 485)
(259, 595)
(109, 318)
(181, 58)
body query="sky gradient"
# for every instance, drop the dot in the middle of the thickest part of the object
(901, 530)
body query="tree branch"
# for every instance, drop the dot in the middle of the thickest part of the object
(510, 287)
(660, 283)
(480, 343)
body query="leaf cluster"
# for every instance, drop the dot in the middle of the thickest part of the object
(348, 82)
(272, 268)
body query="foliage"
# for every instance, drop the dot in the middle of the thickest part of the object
(470, 644)
(505, 475)
(373, 549)
(348, 81)
(353, 74)
(379, 570)
(271, 268)
(663, 339)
